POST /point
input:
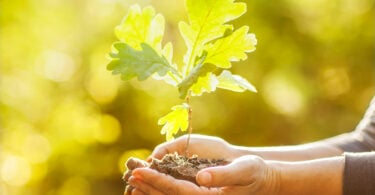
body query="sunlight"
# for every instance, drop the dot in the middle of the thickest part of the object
(58, 66)
(36, 148)
(75, 185)
(283, 95)
(335, 82)
(109, 129)
(15, 171)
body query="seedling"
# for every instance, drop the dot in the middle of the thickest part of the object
(212, 46)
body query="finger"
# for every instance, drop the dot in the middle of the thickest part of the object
(159, 152)
(137, 192)
(169, 185)
(162, 182)
(127, 174)
(133, 163)
(177, 145)
(128, 190)
(241, 171)
(142, 188)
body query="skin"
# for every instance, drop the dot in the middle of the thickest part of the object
(214, 147)
(273, 170)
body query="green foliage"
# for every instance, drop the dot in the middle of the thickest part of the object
(212, 44)
(230, 48)
(141, 26)
(175, 120)
(211, 40)
(234, 82)
(206, 23)
(306, 68)
(192, 78)
(133, 63)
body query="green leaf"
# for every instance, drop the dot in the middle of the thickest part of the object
(140, 53)
(137, 63)
(207, 84)
(141, 26)
(206, 22)
(177, 119)
(198, 72)
(231, 48)
(234, 82)
(171, 78)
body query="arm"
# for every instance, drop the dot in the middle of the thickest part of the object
(292, 153)
(322, 176)
(360, 140)
(250, 175)
(213, 147)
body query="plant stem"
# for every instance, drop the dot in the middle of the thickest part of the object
(190, 123)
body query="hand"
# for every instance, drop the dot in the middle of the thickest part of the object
(245, 175)
(203, 146)
(131, 164)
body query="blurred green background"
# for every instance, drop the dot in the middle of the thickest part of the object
(67, 125)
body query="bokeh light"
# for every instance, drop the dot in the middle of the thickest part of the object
(15, 171)
(283, 94)
(75, 185)
(67, 125)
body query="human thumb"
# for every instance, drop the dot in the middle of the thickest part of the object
(239, 172)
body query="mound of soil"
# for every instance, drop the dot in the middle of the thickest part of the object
(182, 167)
(178, 166)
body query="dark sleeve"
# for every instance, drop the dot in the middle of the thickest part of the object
(362, 139)
(359, 174)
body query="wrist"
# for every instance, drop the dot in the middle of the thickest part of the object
(322, 176)
(273, 178)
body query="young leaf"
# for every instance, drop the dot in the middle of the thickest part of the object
(171, 77)
(137, 63)
(174, 121)
(211, 44)
(192, 78)
(234, 82)
(140, 53)
(206, 22)
(141, 26)
(207, 83)
(231, 48)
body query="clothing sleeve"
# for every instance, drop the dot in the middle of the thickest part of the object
(359, 174)
(359, 171)
(362, 139)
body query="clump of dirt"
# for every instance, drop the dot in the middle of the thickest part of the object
(182, 167)
(178, 166)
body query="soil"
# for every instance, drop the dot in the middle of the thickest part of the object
(186, 168)
(178, 166)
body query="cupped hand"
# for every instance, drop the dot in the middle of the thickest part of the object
(201, 145)
(132, 164)
(245, 175)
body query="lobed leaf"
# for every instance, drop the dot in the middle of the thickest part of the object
(206, 83)
(206, 22)
(234, 82)
(177, 119)
(141, 26)
(198, 71)
(140, 51)
(231, 48)
(138, 63)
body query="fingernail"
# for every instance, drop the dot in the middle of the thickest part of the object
(136, 174)
(204, 178)
(133, 182)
